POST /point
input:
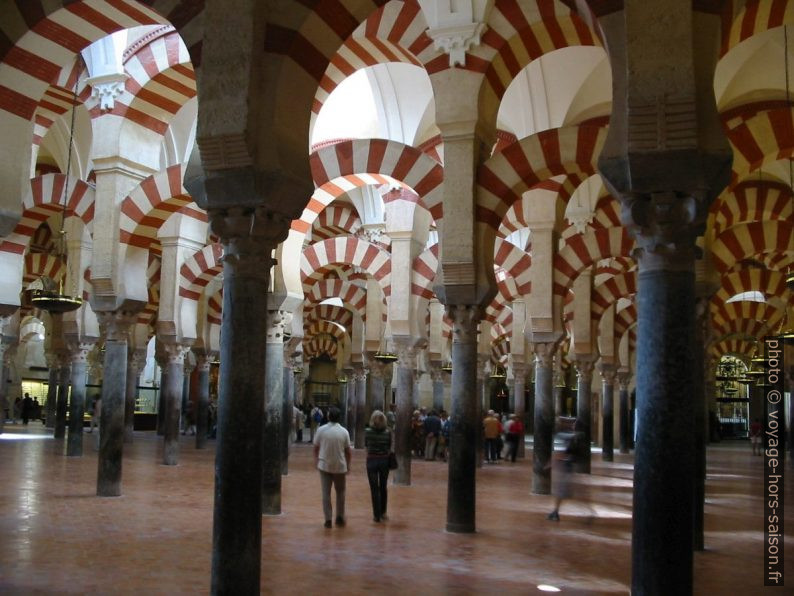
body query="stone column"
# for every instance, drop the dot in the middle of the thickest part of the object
(519, 380)
(543, 438)
(375, 389)
(202, 399)
(360, 376)
(406, 365)
(607, 411)
(4, 350)
(461, 483)
(162, 361)
(248, 236)
(187, 371)
(624, 377)
(347, 395)
(274, 405)
(62, 403)
(135, 364)
(115, 327)
(584, 372)
(287, 413)
(79, 355)
(438, 387)
(702, 326)
(52, 390)
(172, 396)
(558, 383)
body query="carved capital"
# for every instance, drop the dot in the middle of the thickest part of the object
(584, 369)
(465, 319)
(115, 324)
(248, 231)
(406, 354)
(544, 353)
(665, 226)
(276, 321)
(608, 373)
(203, 362)
(624, 378)
(175, 353)
(78, 351)
(359, 372)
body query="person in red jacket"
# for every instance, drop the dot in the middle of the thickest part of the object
(515, 433)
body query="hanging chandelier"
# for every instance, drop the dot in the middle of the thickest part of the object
(51, 297)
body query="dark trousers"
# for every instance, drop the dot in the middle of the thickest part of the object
(491, 449)
(512, 446)
(378, 476)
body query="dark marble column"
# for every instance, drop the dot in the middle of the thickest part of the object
(187, 372)
(52, 390)
(375, 389)
(543, 438)
(348, 406)
(584, 372)
(79, 354)
(360, 376)
(172, 395)
(5, 350)
(274, 405)
(558, 381)
(202, 399)
(438, 387)
(115, 327)
(664, 462)
(519, 387)
(624, 377)
(607, 411)
(62, 404)
(135, 364)
(405, 370)
(287, 414)
(162, 361)
(462, 452)
(248, 238)
(702, 327)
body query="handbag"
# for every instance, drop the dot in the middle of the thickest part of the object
(392, 461)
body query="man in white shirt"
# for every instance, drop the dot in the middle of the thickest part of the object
(332, 454)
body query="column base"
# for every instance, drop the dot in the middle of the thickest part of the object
(460, 528)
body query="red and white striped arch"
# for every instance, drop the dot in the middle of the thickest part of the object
(755, 17)
(348, 250)
(520, 32)
(41, 264)
(197, 271)
(516, 217)
(353, 297)
(615, 266)
(44, 36)
(150, 204)
(583, 250)
(624, 319)
(607, 212)
(423, 272)
(761, 140)
(500, 349)
(319, 328)
(55, 102)
(335, 220)
(769, 283)
(501, 180)
(329, 312)
(148, 314)
(372, 161)
(752, 201)
(751, 240)
(393, 33)
(215, 307)
(744, 348)
(747, 318)
(515, 262)
(161, 81)
(610, 291)
(317, 346)
(44, 200)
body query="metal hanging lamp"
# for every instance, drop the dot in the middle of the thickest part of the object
(51, 297)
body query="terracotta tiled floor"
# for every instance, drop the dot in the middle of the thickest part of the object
(58, 538)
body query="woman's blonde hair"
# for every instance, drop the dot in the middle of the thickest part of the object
(377, 420)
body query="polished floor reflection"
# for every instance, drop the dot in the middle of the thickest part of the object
(58, 538)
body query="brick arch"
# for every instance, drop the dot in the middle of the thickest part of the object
(769, 283)
(148, 314)
(317, 346)
(516, 263)
(500, 348)
(40, 264)
(393, 33)
(625, 319)
(743, 348)
(316, 328)
(349, 250)
(755, 17)
(762, 139)
(329, 312)
(751, 240)
(423, 272)
(584, 250)
(215, 307)
(335, 220)
(610, 291)
(525, 32)
(339, 167)
(353, 297)
(45, 199)
(197, 271)
(571, 150)
(516, 217)
(151, 203)
(752, 201)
